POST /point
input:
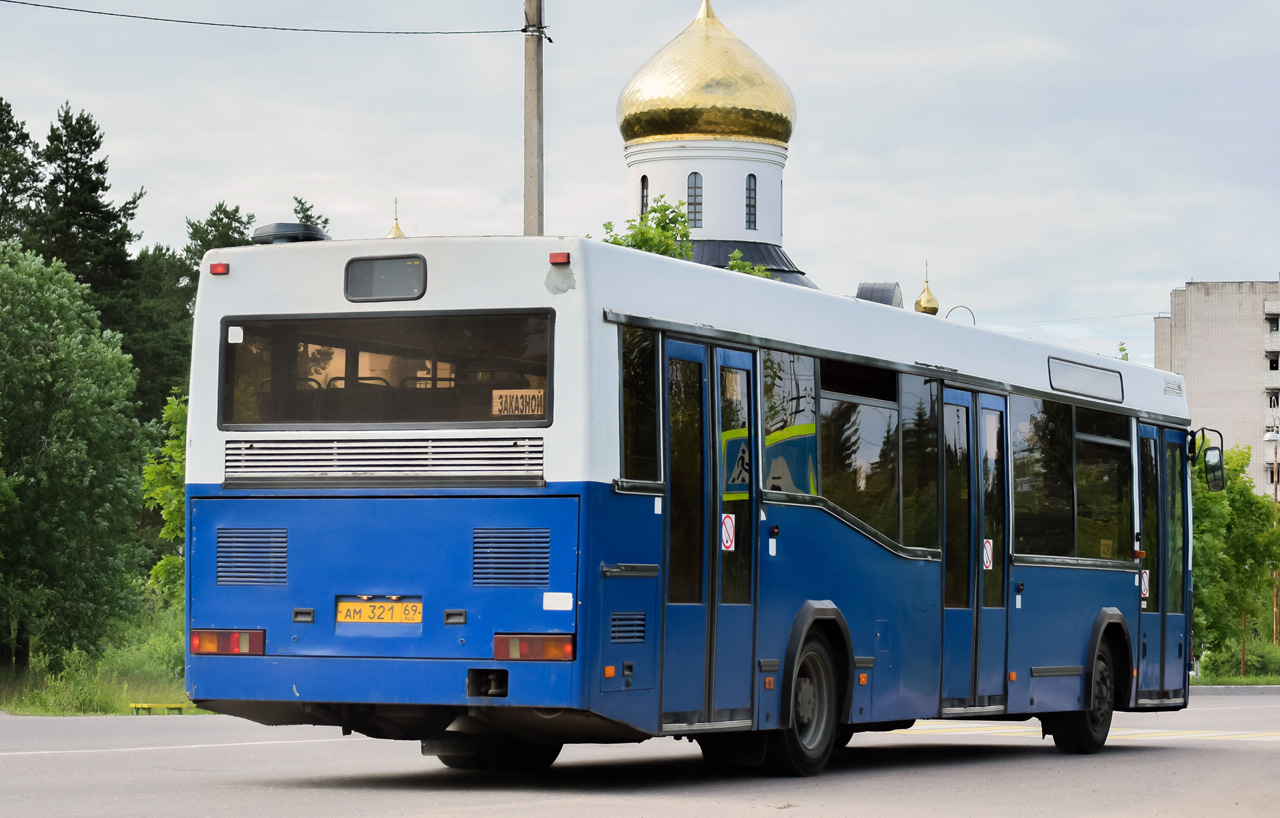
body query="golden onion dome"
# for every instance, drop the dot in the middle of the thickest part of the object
(706, 84)
(927, 303)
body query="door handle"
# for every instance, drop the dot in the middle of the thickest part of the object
(1144, 649)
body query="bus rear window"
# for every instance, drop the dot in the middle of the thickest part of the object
(423, 369)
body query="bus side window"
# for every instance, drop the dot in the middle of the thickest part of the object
(640, 405)
(1043, 487)
(918, 400)
(790, 417)
(858, 439)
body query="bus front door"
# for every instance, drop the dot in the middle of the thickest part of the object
(1163, 645)
(975, 554)
(708, 618)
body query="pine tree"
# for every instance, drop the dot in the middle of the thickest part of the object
(19, 174)
(225, 227)
(75, 223)
(305, 214)
(159, 332)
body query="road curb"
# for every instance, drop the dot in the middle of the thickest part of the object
(1235, 690)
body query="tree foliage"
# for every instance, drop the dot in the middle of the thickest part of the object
(20, 174)
(306, 214)
(158, 332)
(164, 478)
(224, 227)
(74, 222)
(1236, 549)
(72, 455)
(737, 265)
(662, 229)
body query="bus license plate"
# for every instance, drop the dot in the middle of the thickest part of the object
(380, 612)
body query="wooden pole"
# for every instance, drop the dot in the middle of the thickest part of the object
(533, 34)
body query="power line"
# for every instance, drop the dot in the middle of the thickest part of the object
(255, 28)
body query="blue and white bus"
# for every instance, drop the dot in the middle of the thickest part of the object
(499, 494)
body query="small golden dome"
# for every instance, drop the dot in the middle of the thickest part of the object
(926, 302)
(706, 84)
(396, 232)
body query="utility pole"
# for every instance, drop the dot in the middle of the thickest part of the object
(533, 33)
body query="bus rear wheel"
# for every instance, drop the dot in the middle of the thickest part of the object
(1085, 731)
(804, 747)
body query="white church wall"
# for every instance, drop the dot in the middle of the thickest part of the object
(724, 166)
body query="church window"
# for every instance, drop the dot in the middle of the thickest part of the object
(751, 201)
(644, 195)
(694, 206)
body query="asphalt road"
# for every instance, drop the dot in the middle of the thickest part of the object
(1220, 757)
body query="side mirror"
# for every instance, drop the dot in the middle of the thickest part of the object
(1214, 475)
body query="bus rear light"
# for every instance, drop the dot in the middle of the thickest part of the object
(228, 643)
(219, 268)
(558, 258)
(537, 648)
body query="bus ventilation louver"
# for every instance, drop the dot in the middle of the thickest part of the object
(511, 557)
(626, 627)
(253, 556)
(450, 459)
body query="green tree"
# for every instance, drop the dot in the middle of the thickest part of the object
(1235, 551)
(164, 478)
(20, 174)
(737, 265)
(225, 227)
(662, 229)
(72, 455)
(305, 214)
(158, 333)
(74, 222)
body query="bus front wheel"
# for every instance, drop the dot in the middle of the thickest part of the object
(804, 747)
(1085, 731)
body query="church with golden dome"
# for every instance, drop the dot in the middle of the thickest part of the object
(706, 121)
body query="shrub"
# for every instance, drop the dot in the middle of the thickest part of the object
(1261, 659)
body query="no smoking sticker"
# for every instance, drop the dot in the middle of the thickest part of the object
(988, 554)
(1146, 584)
(728, 529)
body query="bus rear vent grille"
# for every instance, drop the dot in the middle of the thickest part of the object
(253, 556)
(511, 557)
(437, 459)
(626, 627)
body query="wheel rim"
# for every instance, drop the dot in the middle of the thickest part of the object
(812, 702)
(1103, 694)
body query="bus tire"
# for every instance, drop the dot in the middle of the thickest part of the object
(804, 747)
(1084, 732)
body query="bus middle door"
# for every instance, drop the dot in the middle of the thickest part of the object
(711, 522)
(975, 554)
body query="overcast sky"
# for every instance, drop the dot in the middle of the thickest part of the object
(1061, 166)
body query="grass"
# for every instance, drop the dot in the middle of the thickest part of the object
(1236, 680)
(143, 664)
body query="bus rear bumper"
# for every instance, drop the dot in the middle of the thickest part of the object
(409, 699)
(390, 681)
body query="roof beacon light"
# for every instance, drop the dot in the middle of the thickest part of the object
(219, 268)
